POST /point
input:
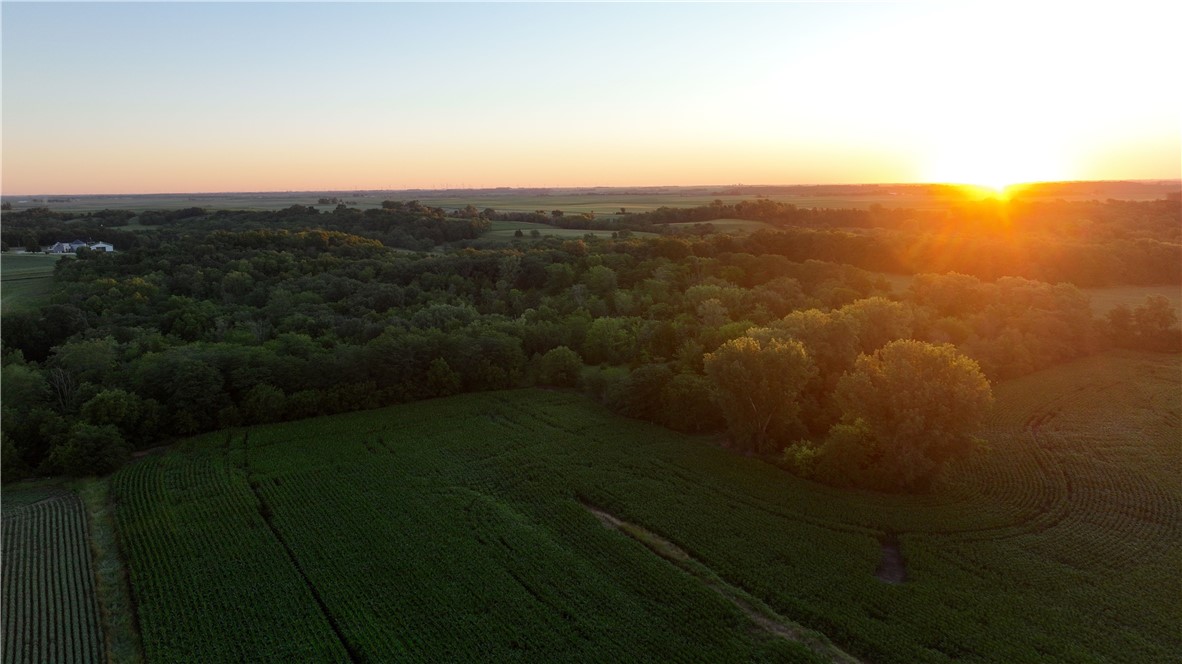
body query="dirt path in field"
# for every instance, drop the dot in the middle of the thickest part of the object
(892, 568)
(159, 449)
(760, 613)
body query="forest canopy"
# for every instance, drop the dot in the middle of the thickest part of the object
(215, 319)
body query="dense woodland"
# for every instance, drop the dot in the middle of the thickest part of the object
(217, 319)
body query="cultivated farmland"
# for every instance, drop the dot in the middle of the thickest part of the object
(50, 609)
(25, 280)
(508, 229)
(533, 525)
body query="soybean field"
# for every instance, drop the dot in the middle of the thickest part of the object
(50, 608)
(534, 525)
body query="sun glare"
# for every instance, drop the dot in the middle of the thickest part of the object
(992, 167)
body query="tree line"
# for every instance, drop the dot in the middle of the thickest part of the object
(208, 325)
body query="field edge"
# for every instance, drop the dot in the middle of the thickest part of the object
(120, 619)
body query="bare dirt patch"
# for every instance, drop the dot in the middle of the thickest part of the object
(892, 568)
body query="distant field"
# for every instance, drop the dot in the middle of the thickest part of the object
(601, 201)
(508, 229)
(732, 226)
(534, 526)
(1103, 299)
(1106, 299)
(25, 280)
(569, 203)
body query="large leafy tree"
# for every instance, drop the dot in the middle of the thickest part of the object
(758, 384)
(906, 411)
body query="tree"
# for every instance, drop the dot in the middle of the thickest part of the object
(116, 407)
(1156, 323)
(441, 379)
(878, 321)
(1120, 324)
(643, 392)
(560, 367)
(90, 450)
(757, 389)
(690, 405)
(12, 467)
(90, 360)
(906, 411)
(610, 340)
(264, 403)
(600, 280)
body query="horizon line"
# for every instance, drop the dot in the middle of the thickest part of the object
(1167, 180)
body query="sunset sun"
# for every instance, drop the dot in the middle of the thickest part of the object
(994, 162)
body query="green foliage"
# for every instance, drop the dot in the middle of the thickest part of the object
(441, 380)
(263, 403)
(907, 410)
(206, 572)
(309, 312)
(90, 450)
(1156, 324)
(560, 367)
(757, 387)
(690, 405)
(12, 466)
(111, 587)
(643, 393)
(135, 418)
(50, 610)
(600, 280)
(610, 341)
(410, 520)
(23, 387)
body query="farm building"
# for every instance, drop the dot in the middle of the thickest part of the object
(73, 247)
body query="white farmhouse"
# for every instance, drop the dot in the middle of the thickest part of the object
(73, 247)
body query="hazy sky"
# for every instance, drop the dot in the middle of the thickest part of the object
(137, 98)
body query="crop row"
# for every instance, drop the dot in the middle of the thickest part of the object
(50, 607)
(456, 529)
(450, 572)
(210, 581)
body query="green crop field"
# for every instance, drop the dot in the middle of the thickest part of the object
(535, 526)
(50, 607)
(25, 280)
(508, 229)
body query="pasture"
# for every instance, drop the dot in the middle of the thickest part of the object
(51, 609)
(534, 525)
(1107, 299)
(25, 280)
(507, 230)
(1103, 299)
(729, 226)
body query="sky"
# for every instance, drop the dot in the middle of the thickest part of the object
(212, 97)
